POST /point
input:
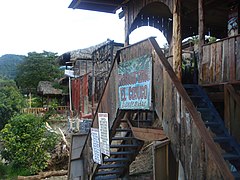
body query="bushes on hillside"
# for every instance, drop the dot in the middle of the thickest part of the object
(27, 143)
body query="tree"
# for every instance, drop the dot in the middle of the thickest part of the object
(7, 82)
(37, 67)
(27, 143)
(11, 102)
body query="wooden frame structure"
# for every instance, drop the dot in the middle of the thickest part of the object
(218, 65)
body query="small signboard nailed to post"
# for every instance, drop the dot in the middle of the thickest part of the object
(97, 156)
(104, 133)
(135, 83)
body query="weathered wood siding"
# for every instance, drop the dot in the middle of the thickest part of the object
(190, 140)
(221, 61)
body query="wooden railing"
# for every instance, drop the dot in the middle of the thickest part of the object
(221, 61)
(41, 110)
(232, 110)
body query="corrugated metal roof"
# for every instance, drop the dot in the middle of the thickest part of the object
(108, 6)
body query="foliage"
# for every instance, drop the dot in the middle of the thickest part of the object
(64, 88)
(8, 65)
(6, 82)
(11, 102)
(8, 171)
(36, 101)
(209, 39)
(27, 143)
(37, 67)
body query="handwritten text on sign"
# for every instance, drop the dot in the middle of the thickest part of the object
(97, 156)
(104, 133)
(135, 79)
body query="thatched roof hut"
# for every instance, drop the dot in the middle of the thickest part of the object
(46, 88)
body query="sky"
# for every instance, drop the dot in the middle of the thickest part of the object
(37, 25)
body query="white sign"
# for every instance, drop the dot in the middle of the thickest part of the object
(104, 133)
(70, 73)
(97, 156)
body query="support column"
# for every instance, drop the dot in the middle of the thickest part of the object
(177, 39)
(201, 36)
(126, 42)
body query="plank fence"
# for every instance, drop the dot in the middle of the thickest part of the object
(221, 61)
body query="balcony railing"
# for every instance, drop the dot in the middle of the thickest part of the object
(42, 110)
(221, 61)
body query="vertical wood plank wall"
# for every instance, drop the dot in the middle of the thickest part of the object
(221, 61)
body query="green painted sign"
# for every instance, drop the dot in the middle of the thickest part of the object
(135, 83)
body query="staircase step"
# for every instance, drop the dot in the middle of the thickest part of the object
(212, 123)
(108, 172)
(122, 138)
(109, 166)
(122, 153)
(106, 177)
(124, 120)
(229, 156)
(204, 109)
(195, 96)
(123, 146)
(219, 131)
(236, 175)
(116, 159)
(146, 121)
(123, 129)
(222, 139)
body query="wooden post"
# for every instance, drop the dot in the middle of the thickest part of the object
(126, 43)
(177, 39)
(201, 36)
(160, 160)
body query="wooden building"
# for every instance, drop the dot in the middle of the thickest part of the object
(194, 128)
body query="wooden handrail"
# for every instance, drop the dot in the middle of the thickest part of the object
(217, 157)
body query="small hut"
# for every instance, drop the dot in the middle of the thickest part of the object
(46, 90)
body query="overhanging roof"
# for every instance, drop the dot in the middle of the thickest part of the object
(108, 6)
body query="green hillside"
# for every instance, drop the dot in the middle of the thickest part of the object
(8, 64)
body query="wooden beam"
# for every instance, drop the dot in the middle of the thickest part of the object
(148, 134)
(201, 35)
(177, 39)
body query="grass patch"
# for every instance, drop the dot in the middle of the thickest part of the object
(9, 172)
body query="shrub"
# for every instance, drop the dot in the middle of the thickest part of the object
(11, 101)
(27, 143)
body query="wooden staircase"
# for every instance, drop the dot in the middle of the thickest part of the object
(126, 140)
(228, 146)
(124, 148)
